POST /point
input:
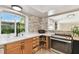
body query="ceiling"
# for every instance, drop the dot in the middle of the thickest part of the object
(71, 17)
(42, 10)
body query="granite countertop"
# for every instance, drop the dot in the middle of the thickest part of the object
(7, 40)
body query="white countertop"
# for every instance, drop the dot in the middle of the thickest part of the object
(5, 40)
(76, 38)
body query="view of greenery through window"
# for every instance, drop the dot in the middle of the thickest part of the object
(7, 28)
(8, 23)
(20, 25)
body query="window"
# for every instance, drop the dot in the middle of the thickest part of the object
(20, 25)
(7, 27)
(51, 24)
(11, 23)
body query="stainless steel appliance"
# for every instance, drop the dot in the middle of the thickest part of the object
(62, 43)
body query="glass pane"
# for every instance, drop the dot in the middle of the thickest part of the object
(51, 24)
(8, 21)
(20, 25)
(7, 27)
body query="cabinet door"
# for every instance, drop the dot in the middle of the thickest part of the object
(13, 48)
(35, 43)
(47, 46)
(27, 46)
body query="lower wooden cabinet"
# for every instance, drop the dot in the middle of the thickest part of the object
(35, 44)
(47, 44)
(27, 46)
(22, 47)
(16, 50)
(13, 48)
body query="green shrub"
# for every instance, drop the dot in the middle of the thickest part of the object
(75, 30)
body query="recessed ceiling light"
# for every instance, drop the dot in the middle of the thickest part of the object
(16, 7)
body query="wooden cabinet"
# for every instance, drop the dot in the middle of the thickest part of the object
(27, 46)
(35, 44)
(16, 50)
(21, 47)
(47, 43)
(13, 48)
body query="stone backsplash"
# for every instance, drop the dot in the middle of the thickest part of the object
(44, 23)
(36, 23)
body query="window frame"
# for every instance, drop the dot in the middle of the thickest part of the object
(15, 21)
(51, 23)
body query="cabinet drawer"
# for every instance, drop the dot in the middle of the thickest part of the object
(35, 44)
(34, 39)
(35, 50)
(12, 45)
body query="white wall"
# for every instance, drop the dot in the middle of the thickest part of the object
(26, 24)
(66, 24)
(0, 26)
(67, 21)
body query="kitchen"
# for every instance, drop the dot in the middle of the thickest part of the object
(39, 29)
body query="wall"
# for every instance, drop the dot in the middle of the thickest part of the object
(67, 21)
(67, 26)
(36, 23)
(44, 23)
(33, 23)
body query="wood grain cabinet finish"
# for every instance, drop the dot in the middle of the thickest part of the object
(27, 49)
(24, 47)
(35, 44)
(13, 48)
(47, 44)
(20, 47)
(16, 50)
